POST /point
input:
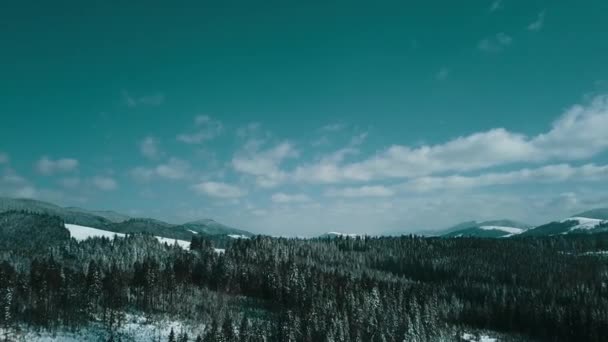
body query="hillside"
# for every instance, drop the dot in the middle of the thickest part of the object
(486, 229)
(120, 223)
(571, 225)
(30, 231)
(598, 213)
(211, 227)
(106, 214)
(70, 215)
(486, 232)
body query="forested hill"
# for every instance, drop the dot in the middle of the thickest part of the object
(329, 289)
(21, 230)
(588, 222)
(120, 223)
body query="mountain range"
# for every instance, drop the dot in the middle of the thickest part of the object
(591, 221)
(120, 223)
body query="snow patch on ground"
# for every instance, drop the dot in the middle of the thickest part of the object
(584, 222)
(82, 233)
(510, 230)
(237, 236)
(183, 244)
(480, 338)
(193, 232)
(341, 234)
(600, 253)
(135, 328)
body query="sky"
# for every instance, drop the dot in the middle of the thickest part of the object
(296, 118)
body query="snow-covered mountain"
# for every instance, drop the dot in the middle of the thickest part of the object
(82, 233)
(122, 224)
(490, 229)
(585, 222)
(597, 213)
(592, 221)
(571, 225)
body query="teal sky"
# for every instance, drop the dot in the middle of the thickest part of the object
(300, 117)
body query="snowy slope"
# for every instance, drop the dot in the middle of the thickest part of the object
(336, 234)
(237, 236)
(82, 233)
(584, 222)
(481, 338)
(136, 328)
(183, 244)
(487, 231)
(510, 230)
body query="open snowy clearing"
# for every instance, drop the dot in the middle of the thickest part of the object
(480, 338)
(81, 233)
(584, 222)
(510, 230)
(342, 234)
(237, 236)
(135, 328)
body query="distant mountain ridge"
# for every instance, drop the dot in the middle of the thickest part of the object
(121, 223)
(335, 235)
(598, 213)
(107, 214)
(30, 231)
(492, 228)
(588, 222)
(70, 215)
(571, 225)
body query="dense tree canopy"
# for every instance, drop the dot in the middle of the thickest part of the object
(335, 289)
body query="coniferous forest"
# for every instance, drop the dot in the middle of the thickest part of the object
(387, 289)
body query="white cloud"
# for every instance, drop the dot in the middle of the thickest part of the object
(289, 198)
(495, 43)
(104, 183)
(205, 129)
(70, 182)
(442, 74)
(545, 174)
(27, 191)
(496, 5)
(333, 127)
(363, 191)
(249, 130)
(578, 134)
(174, 169)
(264, 165)
(149, 148)
(327, 169)
(147, 100)
(10, 177)
(48, 166)
(219, 190)
(14, 185)
(538, 23)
